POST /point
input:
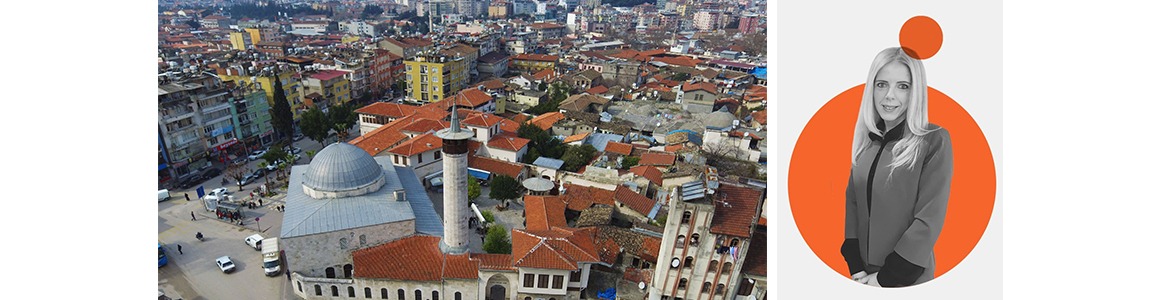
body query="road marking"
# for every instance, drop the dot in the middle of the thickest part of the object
(179, 228)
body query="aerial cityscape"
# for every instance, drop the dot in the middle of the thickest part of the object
(462, 149)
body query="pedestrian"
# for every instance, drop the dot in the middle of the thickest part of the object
(187, 196)
(192, 216)
(180, 248)
(251, 195)
(287, 274)
(261, 202)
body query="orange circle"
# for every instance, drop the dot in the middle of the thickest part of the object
(819, 174)
(920, 37)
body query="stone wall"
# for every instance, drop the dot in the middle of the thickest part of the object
(446, 288)
(311, 254)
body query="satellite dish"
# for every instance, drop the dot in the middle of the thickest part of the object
(674, 263)
(642, 286)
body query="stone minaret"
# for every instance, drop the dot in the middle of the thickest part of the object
(455, 208)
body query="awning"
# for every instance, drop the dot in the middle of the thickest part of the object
(477, 173)
(437, 181)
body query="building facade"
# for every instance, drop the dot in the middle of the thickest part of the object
(431, 78)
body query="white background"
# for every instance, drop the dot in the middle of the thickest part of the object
(819, 49)
(1083, 139)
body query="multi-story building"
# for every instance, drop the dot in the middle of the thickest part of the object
(432, 77)
(748, 23)
(707, 20)
(521, 7)
(331, 86)
(241, 40)
(264, 34)
(250, 110)
(407, 48)
(266, 77)
(357, 27)
(669, 20)
(546, 31)
(500, 9)
(533, 62)
(195, 122)
(705, 240)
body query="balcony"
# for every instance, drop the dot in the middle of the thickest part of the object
(214, 107)
(178, 117)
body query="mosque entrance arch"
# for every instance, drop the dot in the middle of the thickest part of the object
(497, 287)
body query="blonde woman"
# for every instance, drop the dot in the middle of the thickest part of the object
(900, 178)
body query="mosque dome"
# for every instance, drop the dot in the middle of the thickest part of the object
(342, 169)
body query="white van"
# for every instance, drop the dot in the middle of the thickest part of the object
(271, 256)
(254, 240)
(163, 195)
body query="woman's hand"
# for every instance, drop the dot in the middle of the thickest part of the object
(860, 275)
(871, 279)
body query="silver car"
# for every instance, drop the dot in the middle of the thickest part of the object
(225, 264)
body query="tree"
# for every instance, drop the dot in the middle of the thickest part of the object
(497, 241)
(733, 24)
(680, 76)
(472, 188)
(342, 118)
(315, 125)
(545, 107)
(577, 156)
(542, 87)
(630, 161)
(311, 153)
(237, 172)
(488, 217)
(401, 87)
(504, 188)
(281, 112)
(371, 11)
(559, 92)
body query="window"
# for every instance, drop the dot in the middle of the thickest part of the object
(734, 242)
(435, 295)
(694, 238)
(368, 294)
(575, 276)
(543, 282)
(458, 296)
(401, 294)
(408, 69)
(420, 158)
(558, 281)
(434, 69)
(528, 279)
(344, 243)
(333, 289)
(317, 288)
(362, 239)
(745, 287)
(349, 291)
(727, 267)
(719, 289)
(681, 240)
(706, 288)
(437, 155)
(330, 273)
(396, 159)
(299, 287)
(689, 262)
(682, 283)
(348, 270)
(686, 218)
(434, 78)
(417, 294)
(714, 265)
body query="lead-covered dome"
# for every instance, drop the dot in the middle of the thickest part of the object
(342, 169)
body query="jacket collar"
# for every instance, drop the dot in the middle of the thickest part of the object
(892, 135)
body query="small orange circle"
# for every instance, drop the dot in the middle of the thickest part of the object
(920, 37)
(819, 172)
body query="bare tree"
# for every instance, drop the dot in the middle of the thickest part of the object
(237, 172)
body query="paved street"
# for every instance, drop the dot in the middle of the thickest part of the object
(194, 274)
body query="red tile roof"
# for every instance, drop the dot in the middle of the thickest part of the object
(558, 248)
(547, 120)
(706, 86)
(469, 97)
(492, 84)
(507, 125)
(544, 212)
(507, 142)
(395, 110)
(328, 74)
(619, 148)
(756, 259)
(418, 144)
(580, 197)
(494, 261)
(545, 75)
(678, 61)
(761, 116)
(535, 57)
(415, 258)
(636, 201)
(650, 248)
(495, 166)
(481, 120)
(384, 137)
(597, 90)
(424, 125)
(657, 159)
(545, 25)
(650, 172)
(576, 137)
(608, 250)
(673, 148)
(735, 218)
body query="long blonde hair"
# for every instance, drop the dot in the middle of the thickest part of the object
(907, 148)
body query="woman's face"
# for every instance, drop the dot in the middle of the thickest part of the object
(891, 92)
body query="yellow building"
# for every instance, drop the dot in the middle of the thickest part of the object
(434, 77)
(329, 86)
(292, 86)
(241, 40)
(263, 34)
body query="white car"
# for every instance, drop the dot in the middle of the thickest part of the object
(296, 150)
(225, 264)
(256, 154)
(220, 194)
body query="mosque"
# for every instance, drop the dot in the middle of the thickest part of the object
(359, 227)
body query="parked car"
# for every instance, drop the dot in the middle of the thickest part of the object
(272, 166)
(191, 181)
(256, 154)
(247, 179)
(298, 137)
(220, 194)
(225, 264)
(212, 173)
(259, 173)
(296, 150)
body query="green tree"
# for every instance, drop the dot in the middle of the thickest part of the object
(545, 107)
(342, 118)
(371, 11)
(540, 142)
(281, 112)
(274, 156)
(315, 125)
(577, 156)
(401, 87)
(559, 92)
(497, 241)
(630, 161)
(504, 188)
(680, 76)
(542, 87)
(472, 188)
(487, 216)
